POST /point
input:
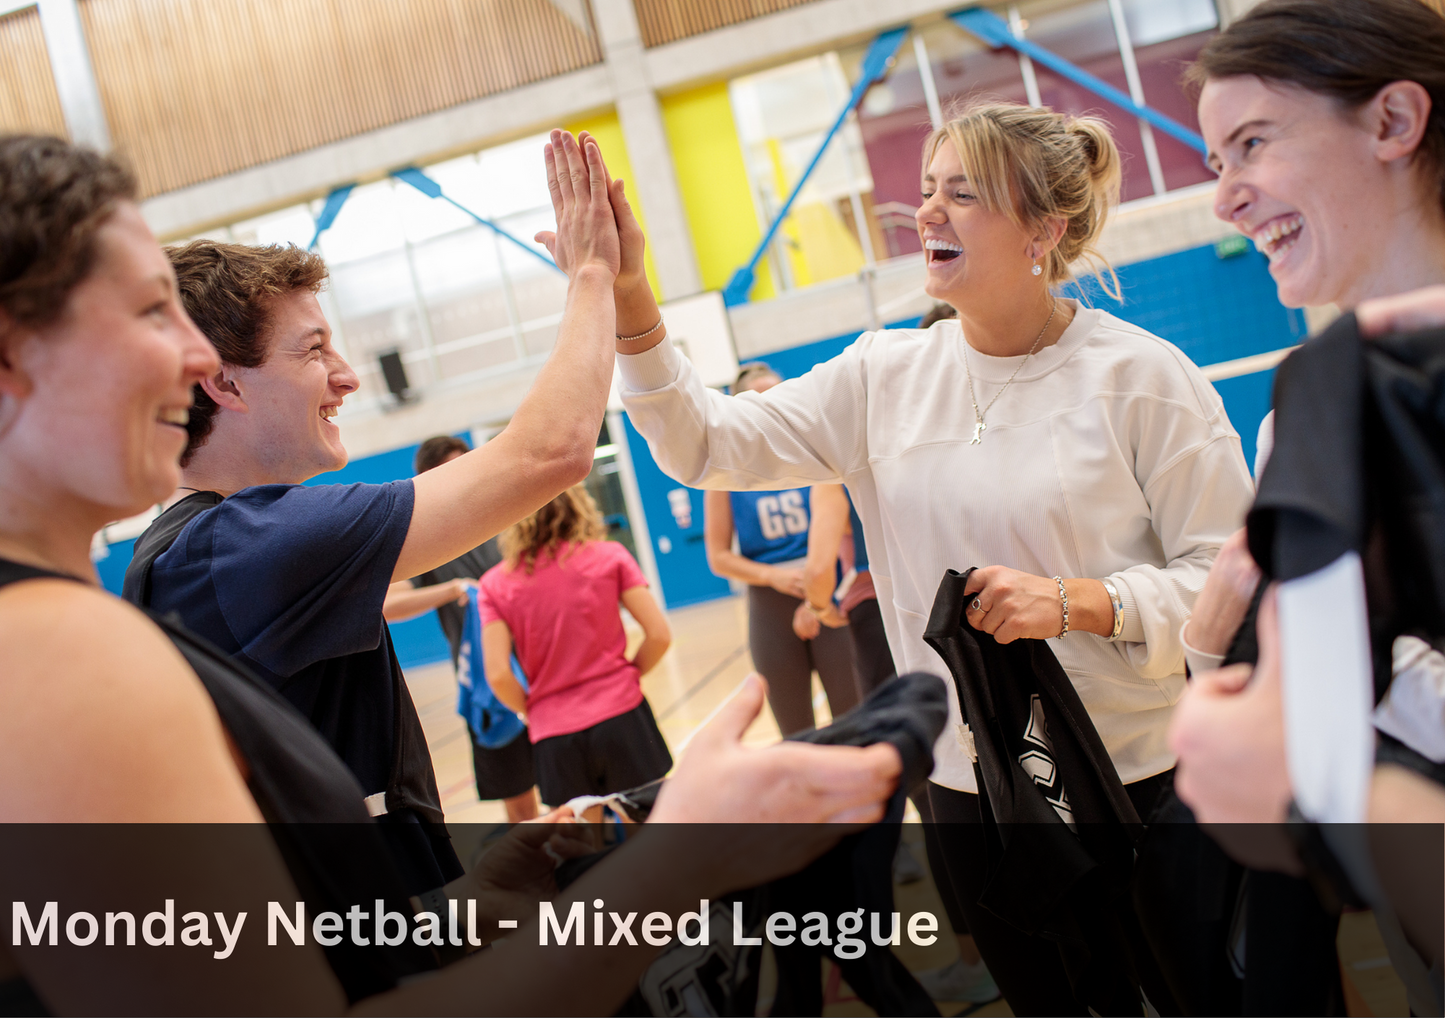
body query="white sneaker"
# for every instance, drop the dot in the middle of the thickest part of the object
(959, 983)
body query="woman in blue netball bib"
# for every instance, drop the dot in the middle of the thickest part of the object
(772, 545)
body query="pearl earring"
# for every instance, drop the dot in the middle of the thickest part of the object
(1038, 270)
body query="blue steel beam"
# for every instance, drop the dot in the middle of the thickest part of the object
(995, 31)
(419, 180)
(875, 65)
(334, 201)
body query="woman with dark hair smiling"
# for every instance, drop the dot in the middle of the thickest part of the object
(1326, 123)
(1325, 120)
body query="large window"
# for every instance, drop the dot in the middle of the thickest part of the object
(783, 113)
(418, 276)
(782, 117)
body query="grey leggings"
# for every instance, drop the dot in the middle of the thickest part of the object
(788, 663)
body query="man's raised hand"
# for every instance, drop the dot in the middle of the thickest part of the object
(586, 235)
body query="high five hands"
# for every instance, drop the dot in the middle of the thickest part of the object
(595, 222)
(586, 235)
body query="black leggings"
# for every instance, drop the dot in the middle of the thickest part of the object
(871, 657)
(788, 662)
(1027, 969)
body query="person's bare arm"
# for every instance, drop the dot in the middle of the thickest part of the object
(826, 530)
(548, 445)
(656, 633)
(717, 516)
(497, 655)
(103, 722)
(403, 601)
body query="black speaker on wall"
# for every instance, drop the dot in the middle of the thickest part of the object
(394, 371)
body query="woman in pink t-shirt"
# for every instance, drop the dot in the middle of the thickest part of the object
(555, 598)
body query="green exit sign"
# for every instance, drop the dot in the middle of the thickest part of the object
(1231, 247)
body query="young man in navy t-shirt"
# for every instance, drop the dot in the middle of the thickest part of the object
(290, 578)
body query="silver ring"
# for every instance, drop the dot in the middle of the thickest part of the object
(978, 607)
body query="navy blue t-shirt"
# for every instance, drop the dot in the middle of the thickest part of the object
(772, 526)
(290, 579)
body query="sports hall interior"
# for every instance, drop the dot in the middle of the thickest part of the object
(403, 140)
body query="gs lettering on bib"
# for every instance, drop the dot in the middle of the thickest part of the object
(772, 526)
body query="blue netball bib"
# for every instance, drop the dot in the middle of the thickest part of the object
(772, 526)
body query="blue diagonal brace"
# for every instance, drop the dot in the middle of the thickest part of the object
(334, 201)
(995, 31)
(419, 180)
(875, 65)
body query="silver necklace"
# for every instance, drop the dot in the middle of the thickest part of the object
(978, 415)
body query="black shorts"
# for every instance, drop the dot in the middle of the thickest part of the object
(505, 771)
(611, 756)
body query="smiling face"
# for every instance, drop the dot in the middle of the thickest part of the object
(291, 399)
(107, 386)
(1301, 177)
(973, 254)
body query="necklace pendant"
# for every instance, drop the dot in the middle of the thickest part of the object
(977, 433)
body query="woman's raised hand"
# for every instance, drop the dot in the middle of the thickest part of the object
(586, 235)
(629, 232)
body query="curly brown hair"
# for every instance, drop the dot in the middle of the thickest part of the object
(570, 518)
(54, 197)
(227, 289)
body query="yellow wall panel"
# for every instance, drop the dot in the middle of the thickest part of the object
(713, 179)
(606, 128)
(28, 103)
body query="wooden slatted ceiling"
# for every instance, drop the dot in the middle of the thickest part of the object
(670, 20)
(195, 89)
(28, 102)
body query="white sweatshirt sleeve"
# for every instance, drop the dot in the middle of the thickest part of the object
(1198, 496)
(803, 431)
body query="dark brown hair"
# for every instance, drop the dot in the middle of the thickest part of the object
(227, 290)
(437, 450)
(54, 196)
(1346, 49)
(570, 518)
(937, 313)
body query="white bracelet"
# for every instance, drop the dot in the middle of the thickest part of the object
(641, 335)
(1207, 662)
(1117, 603)
(1064, 597)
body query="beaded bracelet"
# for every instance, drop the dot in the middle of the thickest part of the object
(1064, 597)
(640, 335)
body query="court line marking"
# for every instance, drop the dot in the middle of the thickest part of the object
(697, 686)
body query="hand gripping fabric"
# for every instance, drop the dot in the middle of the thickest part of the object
(493, 724)
(1060, 829)
(907, 712)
